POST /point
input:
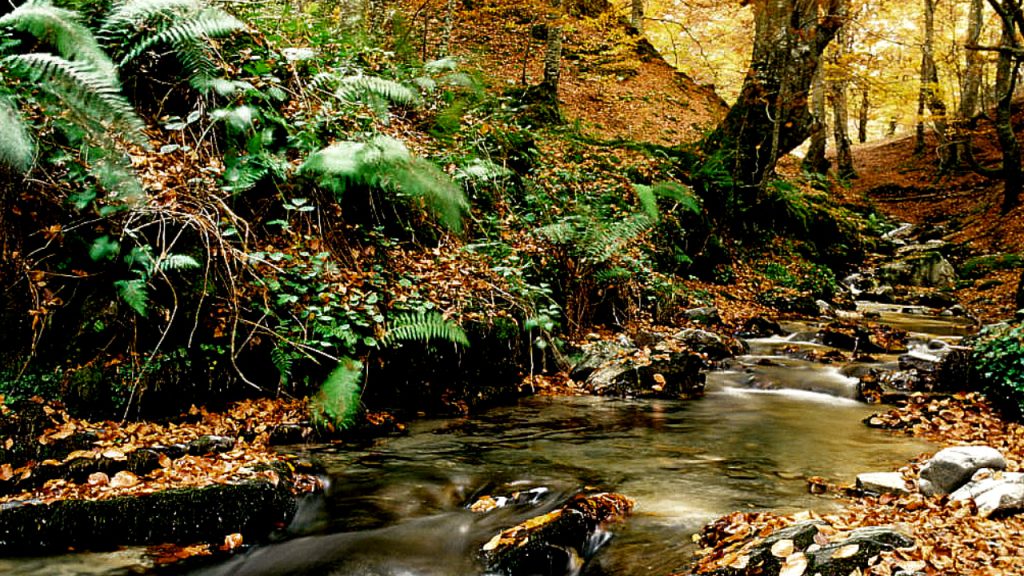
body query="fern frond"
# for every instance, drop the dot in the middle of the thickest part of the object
(357, 88)
(126, 18)
(16, 148)
(282, 359)
(648, 201)
(424, 327)
(210, 23)
(89, 92)
(602, 244)
(561, 232)
(178, 262)
(446, 64)
(135, 293)
(386, 163)
(62, 30)
(425, 84)
(338, 399)
(480, 170)
(681, 194)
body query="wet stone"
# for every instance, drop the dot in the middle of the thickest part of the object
(951, 468)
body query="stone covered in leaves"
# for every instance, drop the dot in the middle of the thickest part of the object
(669, 369)
(807, 547)
(869, 339)
(552, 543)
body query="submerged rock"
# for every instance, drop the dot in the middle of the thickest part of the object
(951, 468)
(556, 543)
(883, 483)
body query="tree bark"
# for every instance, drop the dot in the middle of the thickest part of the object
(771, 116)
(841, 114)
(553, 50)
(862, 116)
(449, 26)
(973, 63)
(930, 95)
(636, 15)
(1006, 83)
(815, 161)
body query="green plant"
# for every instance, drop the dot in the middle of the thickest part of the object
(980, 266)
(424, 327)
(337, 402)
(385, 163)
(136, 27)
(998, 362)
(77, 76)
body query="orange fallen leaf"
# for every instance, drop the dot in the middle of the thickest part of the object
(98, 479)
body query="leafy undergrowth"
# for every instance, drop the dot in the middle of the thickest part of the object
(248, 425)
(951, 537)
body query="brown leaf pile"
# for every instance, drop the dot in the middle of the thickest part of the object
(248, 460)
(951, 537)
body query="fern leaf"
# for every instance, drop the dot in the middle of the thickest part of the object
(648, 201)
(425, 84)
(424, 327)
(88, 92)
(16, 148)
(447, 64)
(443, 198)
(359, 88)
(126, 18)
(135, 293)
(338, 399)
(210, 23)
(60, 29)
(561, 232)
(681, 194)
(282, 359)
(178, 262)
(480, 170)
(603, 243)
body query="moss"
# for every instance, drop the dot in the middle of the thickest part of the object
(253, 509)
(980, 266)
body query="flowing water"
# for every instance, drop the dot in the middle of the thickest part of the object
(398, 505)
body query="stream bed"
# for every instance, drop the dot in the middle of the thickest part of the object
(398, 506)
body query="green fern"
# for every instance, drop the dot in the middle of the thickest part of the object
(683, 195)
(62, 30)
(135, 293)
(127, 17)
(282, 359)
(602, 243)
(16, 147)
(94, 96)
(424, 327)
(385, 163)
(648, 201)
(337, 402)
(480, 170)
(360, 88)
(210, 23)
(178, 262)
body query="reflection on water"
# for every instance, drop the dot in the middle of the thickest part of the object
(397, 506)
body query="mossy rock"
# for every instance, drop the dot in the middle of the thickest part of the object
(253, 509)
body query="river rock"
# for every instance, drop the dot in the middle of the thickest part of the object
(869, 339)
(663, 375)
(714, 346)
(556, 543)
(786, 550)
(927, 269)
(883, 483)
(596, 355)
(706, 315)
(760, 327)
(951, 468)
(993, 492)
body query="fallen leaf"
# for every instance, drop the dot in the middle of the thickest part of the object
(124, 479)
(232, 541)
(846, 551)
(6, 472)
(98, 479)
(114, 454)
(795, 565)
(782, 548)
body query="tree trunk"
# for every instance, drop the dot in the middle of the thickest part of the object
(553, 50)
(636, 15)
(841, 114)
(449, 26)
(1006, 83)
(930, 95)
(973, 64)
(862, 116)
(815, 161)
(771, 116)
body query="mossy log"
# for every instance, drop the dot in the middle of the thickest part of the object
(78, 470)
(555, 543)
(253, 509)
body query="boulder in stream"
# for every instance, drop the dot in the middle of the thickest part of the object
(556, 543)
(951, 468)
(993, 492)
(870, 339)
(928, 269)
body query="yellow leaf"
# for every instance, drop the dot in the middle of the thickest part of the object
(846, 551)
(232, 541)
(124, 479)
(98, 479)
(114, 454)
(782, 548)
(795, 565)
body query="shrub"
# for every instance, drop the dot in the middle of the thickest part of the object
(998, 362)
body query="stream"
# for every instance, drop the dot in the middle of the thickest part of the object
(397, 506)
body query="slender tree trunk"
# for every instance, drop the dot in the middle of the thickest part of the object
(862, 116)
(973, 64)
(841, 113)
(771, 115)
(446, 32)
(815, 161)
(1006, 84)
(841, 132)
(553, 50)
(930, 95)
(636, 15)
